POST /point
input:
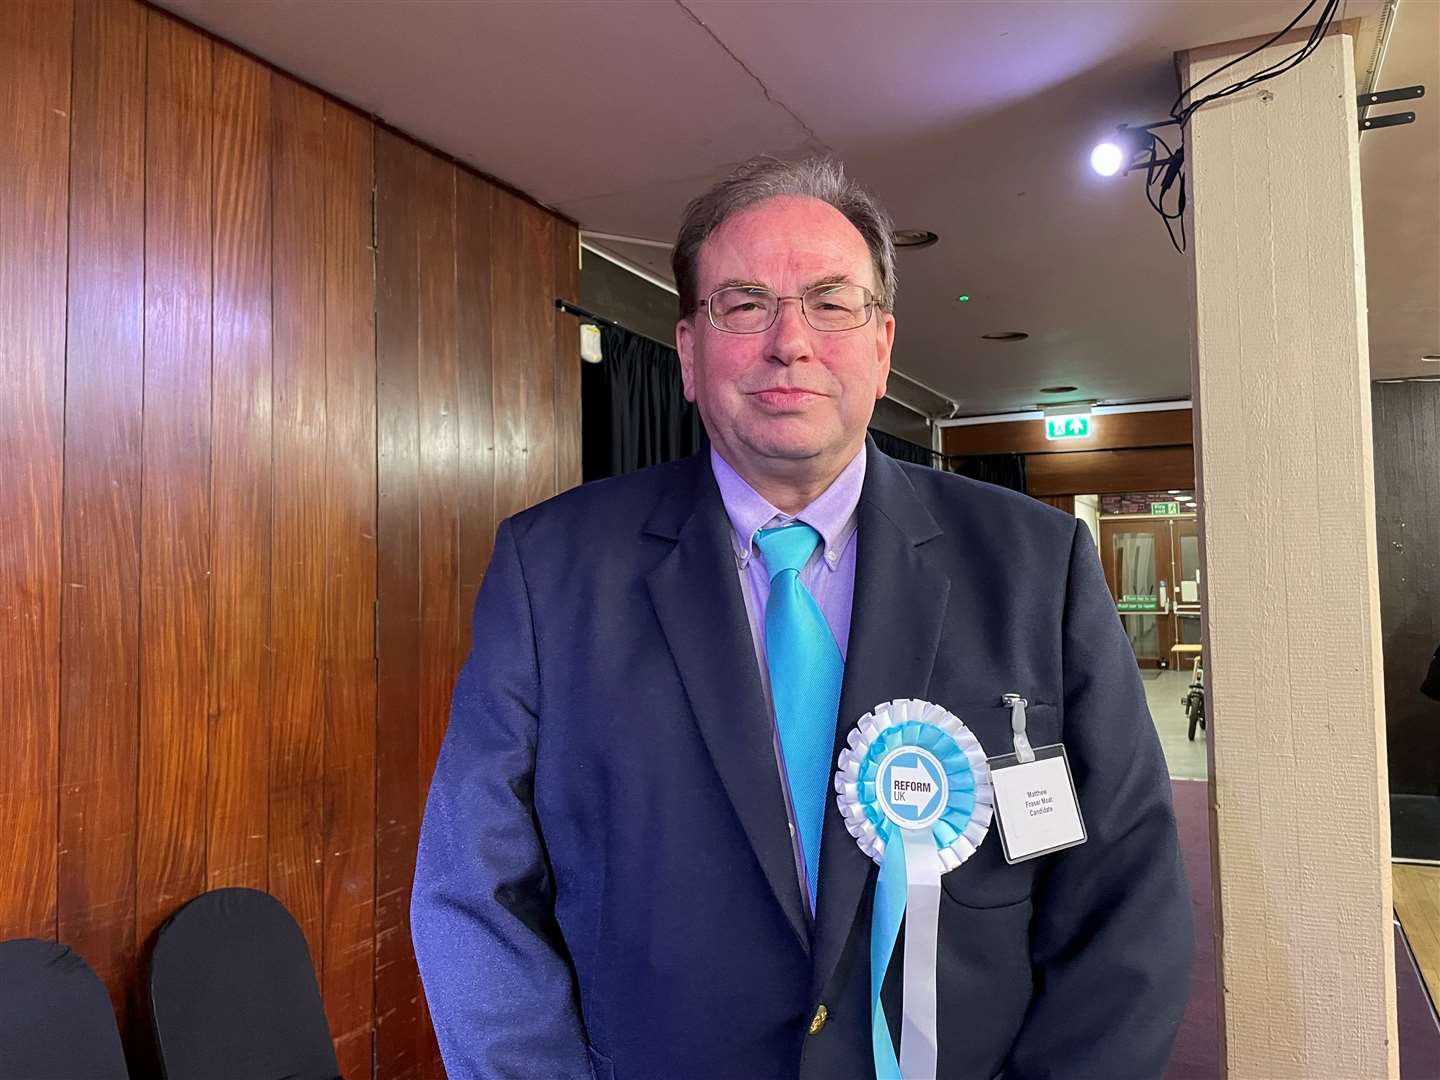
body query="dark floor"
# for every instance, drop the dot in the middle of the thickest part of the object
(1197, 1049)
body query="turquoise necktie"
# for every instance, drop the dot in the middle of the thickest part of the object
(805, 674)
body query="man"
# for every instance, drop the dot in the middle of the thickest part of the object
(624, 869)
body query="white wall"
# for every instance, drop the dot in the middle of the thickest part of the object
(1087, 509)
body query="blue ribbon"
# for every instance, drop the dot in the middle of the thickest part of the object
(892, 884)
(884, 932)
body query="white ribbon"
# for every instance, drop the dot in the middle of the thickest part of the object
(918, 1036)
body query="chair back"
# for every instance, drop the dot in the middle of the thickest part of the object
(56, 1021)
(233, 994)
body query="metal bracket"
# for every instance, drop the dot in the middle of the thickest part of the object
(1389, 120)
(1385, 97)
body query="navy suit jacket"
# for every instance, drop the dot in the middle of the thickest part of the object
(605, 883)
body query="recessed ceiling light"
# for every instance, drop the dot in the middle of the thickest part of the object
(1006, 335)
(1057, 389)
(915, 238)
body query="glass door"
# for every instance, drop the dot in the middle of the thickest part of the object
(1186, 533)
(1138, 557)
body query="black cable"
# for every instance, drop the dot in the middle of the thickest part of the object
(1276, 37)
(1317, 34)
(1165, 175)
(1169, 173)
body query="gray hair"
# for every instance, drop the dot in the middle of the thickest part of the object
(763, 178)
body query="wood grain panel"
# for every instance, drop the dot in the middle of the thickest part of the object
(1417, 905)
(1104, 471)
(1119, 431)
(438, 388)
(35, 53)
(175, 502)
(241, 664)
(510, 351)
(348, 969)
(476, 479)
(567, 359)
(398, 1034)
(297, 743)
(535, 313)
(239, 617)
(100, 625)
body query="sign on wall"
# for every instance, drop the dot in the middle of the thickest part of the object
(1067, 427)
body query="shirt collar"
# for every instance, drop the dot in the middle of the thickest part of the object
(832, 514)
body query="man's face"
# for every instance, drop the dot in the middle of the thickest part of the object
(790, 404)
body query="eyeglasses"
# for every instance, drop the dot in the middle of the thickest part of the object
(749, 309)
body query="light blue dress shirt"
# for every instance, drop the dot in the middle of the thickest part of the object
(829, 575)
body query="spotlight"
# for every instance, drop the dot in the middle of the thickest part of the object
(1122, 151)
(1107, 158)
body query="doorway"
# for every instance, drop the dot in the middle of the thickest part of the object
(1152, 565)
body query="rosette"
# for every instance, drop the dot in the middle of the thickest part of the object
(914, 787)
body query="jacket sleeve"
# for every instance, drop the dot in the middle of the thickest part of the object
(498, 981)
(1111, 932)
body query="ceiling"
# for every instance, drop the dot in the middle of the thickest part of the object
(972, 119)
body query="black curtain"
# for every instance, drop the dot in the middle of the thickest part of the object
(1004, 470)
(904, 449)
(634, 412)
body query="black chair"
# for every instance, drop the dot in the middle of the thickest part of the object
(233, 994)
(56, 1022)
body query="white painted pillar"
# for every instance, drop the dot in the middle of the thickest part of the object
(1292, 634)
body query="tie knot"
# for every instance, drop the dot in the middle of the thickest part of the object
(786, 548)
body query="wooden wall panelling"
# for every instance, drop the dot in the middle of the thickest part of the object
(100, 624)
(1102, 471)
(175, 503)
(439, 451)
(398, 1036)
(567, 358)
(296, 754)
(511, 348)
(241, 667)
(1117, 431)
(35, 55)
(347, 975)
(535, 310)
(476, 476)
(217, 698)
(439, 473)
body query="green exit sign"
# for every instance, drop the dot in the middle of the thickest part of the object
(1067, 427)
(1162, 508)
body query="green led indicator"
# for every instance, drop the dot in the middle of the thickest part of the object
(964, 298)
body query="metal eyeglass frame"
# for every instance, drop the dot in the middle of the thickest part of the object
(870, 304)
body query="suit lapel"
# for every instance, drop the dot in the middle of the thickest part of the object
(696, 593)
(901, 592)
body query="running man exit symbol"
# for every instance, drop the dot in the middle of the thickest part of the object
(1067, 427)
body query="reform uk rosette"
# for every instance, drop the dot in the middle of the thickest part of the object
(914, 787)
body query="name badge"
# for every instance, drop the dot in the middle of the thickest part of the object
(1035, 804)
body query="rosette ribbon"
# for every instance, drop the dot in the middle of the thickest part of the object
(914, 787)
